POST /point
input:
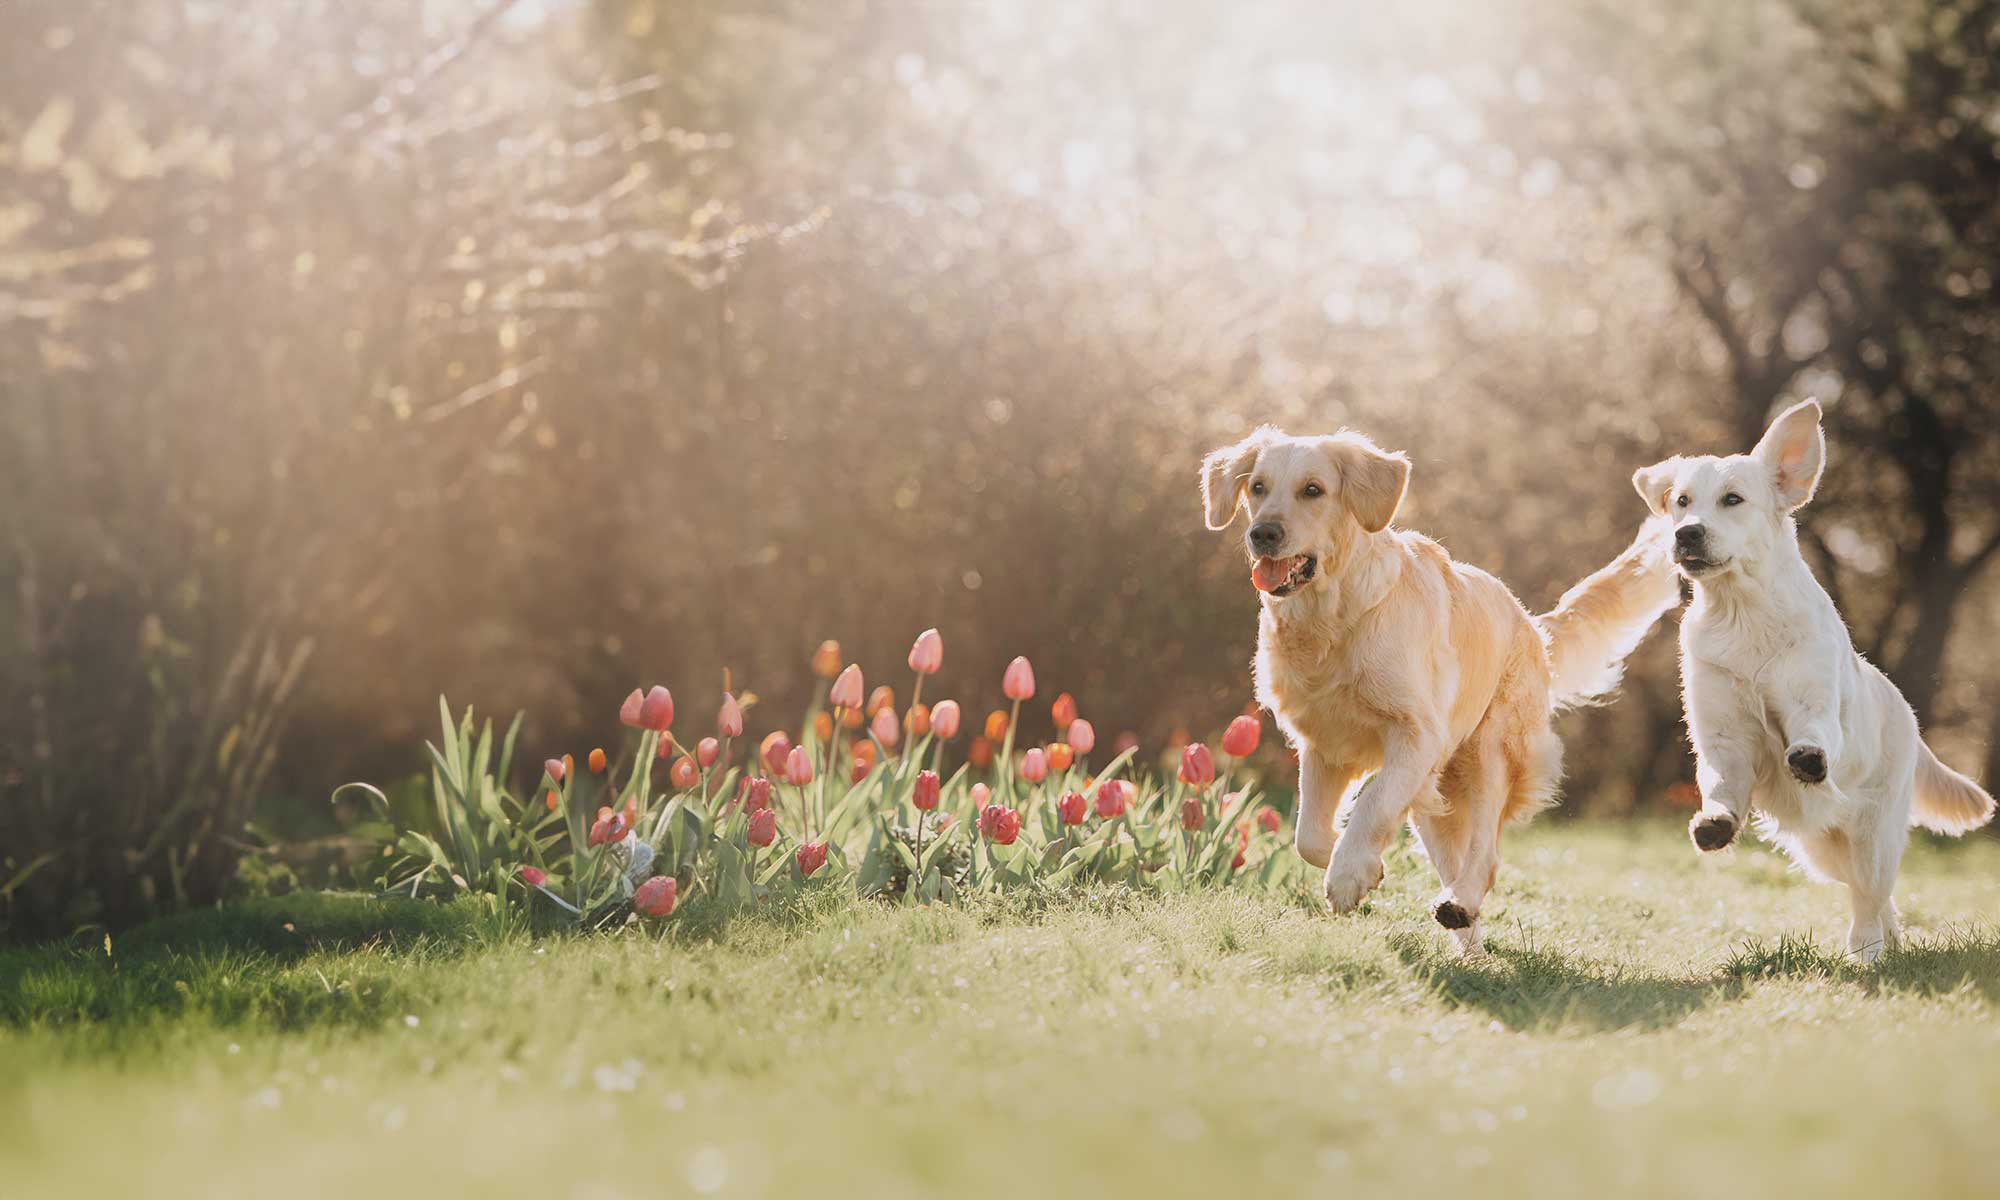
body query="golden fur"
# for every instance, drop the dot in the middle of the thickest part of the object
(1394, 660)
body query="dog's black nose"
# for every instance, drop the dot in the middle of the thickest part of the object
(1265, 538)
(1687, 537)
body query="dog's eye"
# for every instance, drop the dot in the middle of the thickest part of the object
(1684, 500)
(1312, 491)
(1257, 488)
(1731, 500)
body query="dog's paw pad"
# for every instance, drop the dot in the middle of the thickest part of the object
(1808, 763)
(1712, 833)
(1452, 915)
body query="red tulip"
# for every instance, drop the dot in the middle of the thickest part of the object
(1081, 737)
(927, 655)
(1019, 681)
(776, 746)
(554, 768)
(707, 751)
(1193, 816)
(944, 720)
(1236, 863)
(597, 761)
(1197, 765)
(858, 770)
(657, 713)
(1071, 808)
(729, 719)
(1060, 756)
(927, 790)
(608, 827)
(684, 774)
(826, 659)
(534, 876)
(918, 719)
(798, 767)
(655, 897)
(881, 698)
(1063, 710)
(1035, 765)
(979, 753)
(1111, 799)
(1267, 818)
(1241, 738)
(628, 712)
(812, 856)
(1000, 824)
(757, 794)
(846, 691)
(763, 826)
(884, 726)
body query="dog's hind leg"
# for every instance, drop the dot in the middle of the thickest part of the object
(1464, 839)
(1866, 862)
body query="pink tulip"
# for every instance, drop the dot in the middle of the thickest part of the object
(684, 774)
(763, 827)
(655, 897)
(757, 794)
(534, 876)
(555, 768)
(812, 856)
(798, 767)
(628, 712)
(1071, 808)
(1111, 799)
(729, 719)
(884, 726)
(1063, 711)
(1001, 825)
(707, 751)
(1081, 736)
(846, 691)
(944, 720)
(980, 794)
(928, 653)
(1241, 738)
(1019, 681)
(1035, 765)
(927, 790)
(657, 712)
(1197, 765)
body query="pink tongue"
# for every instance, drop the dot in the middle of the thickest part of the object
(1271, 573)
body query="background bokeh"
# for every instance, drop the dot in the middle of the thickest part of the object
(354, 351)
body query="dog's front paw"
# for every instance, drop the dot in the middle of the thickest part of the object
(1712, 831)
(1346, 885)
(1808, 763)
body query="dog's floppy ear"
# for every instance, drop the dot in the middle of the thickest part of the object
(1223, 473)
(1371, 480)
(1795, 450)
(1652, 483)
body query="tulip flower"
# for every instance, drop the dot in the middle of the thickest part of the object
(918, 720)
(1197, 765)
(729, 719)
(979, 753)
(533, 876)
(846, 690)
(826, 659)
(1000, 824)
(631, 813)
(1124, 741)
(944, 719)
(823, 726)
(707, 751)
(597, 761)
(1071, 808)
(608, 827)
(798, 767)
(684, 774)
(628, 712)
(1193, 815)
(1241, 738)
(812, 856)
(763, 826)
(884, 726)
(1060, 756)
(1035, 765)
(757, 794)
(553, 800)
(655, 897)
(555, 769)
(1063, 710)
(996, 725)
(927, 655)
(657, 713)
(926, 791)
(1267, 819)
(1111, 799)
(858, 771)
(774, 751)
(863, 751)
(850, 718)
(881, 698)
(980, 794)
(1019, 682)
(1081, 736)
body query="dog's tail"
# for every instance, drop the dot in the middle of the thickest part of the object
(1600, 621)
(1947, 802)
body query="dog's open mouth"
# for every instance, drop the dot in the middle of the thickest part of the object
(1694, 564)
(1283, 576)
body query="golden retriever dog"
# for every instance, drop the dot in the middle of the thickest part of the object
(1784, 714)
(1379, 655)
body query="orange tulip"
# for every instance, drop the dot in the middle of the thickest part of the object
(554, 801)
(918, 720)
(996, 725)
(823, 726)
(850, 718)
(597, 761)
(1063, 710)
(1060, 756)
(881, 698)
(684, 774)
(980, 753)
(826, 659)
(864, 751)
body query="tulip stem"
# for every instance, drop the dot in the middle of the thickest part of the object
(1007, 750)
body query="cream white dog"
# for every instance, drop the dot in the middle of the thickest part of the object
(1785, 716)
(1379, 654)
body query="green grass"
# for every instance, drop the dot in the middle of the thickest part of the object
(1648, 1025)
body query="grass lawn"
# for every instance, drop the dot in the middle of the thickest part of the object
(1648, 1025)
